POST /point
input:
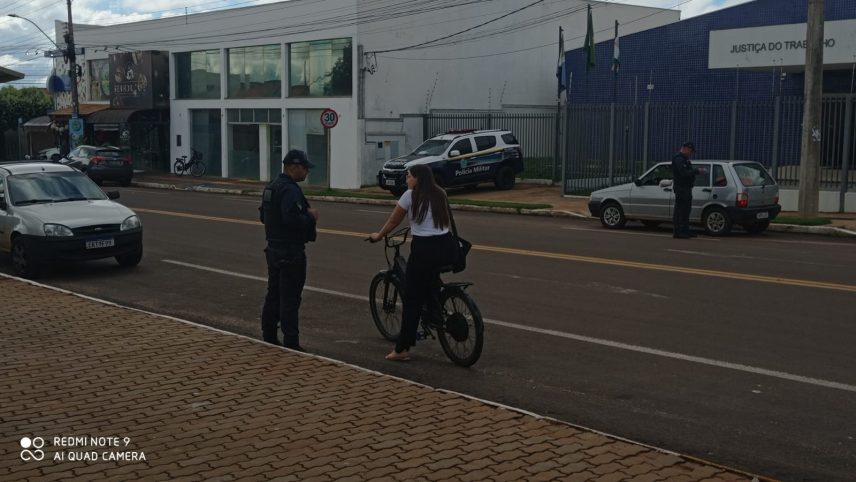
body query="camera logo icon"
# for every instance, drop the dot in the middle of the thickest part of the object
(35, 444)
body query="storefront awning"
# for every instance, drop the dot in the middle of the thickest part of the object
(9, 75)
(41, 122)
(85, 111)
(111, 116)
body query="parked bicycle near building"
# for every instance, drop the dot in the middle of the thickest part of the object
(194, 165)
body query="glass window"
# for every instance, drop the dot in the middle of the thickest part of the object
(205, 137)
(320, 68)
(485, 142)
(198, 74)
(49, 187)
(719, 179)
(306, 133)
(99, 80)
(653, 178)
(702, 179)
(255, 72)
(509, 138)
(464, 146)
(432, 147)
(753, 174)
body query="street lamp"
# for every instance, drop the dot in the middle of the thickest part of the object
(13, 15)
(70, 54)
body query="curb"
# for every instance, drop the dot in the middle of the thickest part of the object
(784, 228)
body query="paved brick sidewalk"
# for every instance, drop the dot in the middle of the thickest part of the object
(199, 404)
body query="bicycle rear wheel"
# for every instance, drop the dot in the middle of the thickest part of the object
(178, 167)
(462, 333)
(198, 168)
(385, 302)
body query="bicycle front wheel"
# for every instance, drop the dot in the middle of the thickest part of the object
(197, 169)
(385, 302)
(462, 333)
(178, 167)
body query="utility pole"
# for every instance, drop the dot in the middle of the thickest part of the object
(71, 55)
(811, 133)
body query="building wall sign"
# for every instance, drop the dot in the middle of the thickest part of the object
(139, 80)
(780, 46)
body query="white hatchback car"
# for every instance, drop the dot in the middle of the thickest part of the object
(51, 213)
(725, 193)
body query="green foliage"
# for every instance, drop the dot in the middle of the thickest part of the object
(340, 75)
(21, 103)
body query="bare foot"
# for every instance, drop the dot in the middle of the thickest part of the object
(395, 356)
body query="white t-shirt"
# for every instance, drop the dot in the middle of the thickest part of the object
(426, 227)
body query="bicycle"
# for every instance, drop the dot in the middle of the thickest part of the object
(458, 325)
(194, 165)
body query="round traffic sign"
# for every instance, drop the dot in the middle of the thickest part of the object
(329, 118)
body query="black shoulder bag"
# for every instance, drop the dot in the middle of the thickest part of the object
(462, 246)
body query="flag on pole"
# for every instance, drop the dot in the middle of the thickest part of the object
(560, 69)
(615, 62)
(589, 45)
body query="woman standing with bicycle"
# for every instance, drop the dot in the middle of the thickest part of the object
(433, 248)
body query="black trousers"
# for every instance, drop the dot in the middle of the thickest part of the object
(286, 277)
(428, 255)
(681, 212)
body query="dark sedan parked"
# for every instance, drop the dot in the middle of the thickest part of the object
(104, 163)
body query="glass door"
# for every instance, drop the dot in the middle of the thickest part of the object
(305, 132)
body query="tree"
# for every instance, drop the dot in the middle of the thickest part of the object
(340, 76)
(21, 104)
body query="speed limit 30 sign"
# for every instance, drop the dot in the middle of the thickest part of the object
(329, 118)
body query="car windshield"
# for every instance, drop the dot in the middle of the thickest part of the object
(753, 174)
(52, 187)
(432, 147)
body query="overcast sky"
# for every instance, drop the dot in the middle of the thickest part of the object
(21, 45)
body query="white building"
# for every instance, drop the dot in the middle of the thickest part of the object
(243, 83)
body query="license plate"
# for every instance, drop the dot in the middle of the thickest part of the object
(115, 163)
(762, 215)
(390, 182)
(100, 243)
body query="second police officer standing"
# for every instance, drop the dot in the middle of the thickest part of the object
(683, 175)
(289, 224)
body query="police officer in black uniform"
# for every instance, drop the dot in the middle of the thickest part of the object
(683, 175)
(289, 224)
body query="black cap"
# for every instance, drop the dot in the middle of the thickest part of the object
(689, 145)
(297, 157)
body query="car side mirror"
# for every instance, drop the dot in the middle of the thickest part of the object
(455, 153)
(665, 183)
(113, 194)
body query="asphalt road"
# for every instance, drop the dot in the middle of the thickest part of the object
(738, 350)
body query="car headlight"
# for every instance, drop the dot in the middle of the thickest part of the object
(133, 222)
(57, 230)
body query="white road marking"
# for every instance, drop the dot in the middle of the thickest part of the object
(581, 338)
(632, 233)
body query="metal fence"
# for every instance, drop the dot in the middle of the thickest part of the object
(608, 144)
(535, 131)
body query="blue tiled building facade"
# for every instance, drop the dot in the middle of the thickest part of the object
(674, 58)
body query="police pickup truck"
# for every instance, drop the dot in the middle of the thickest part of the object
(463, 157)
